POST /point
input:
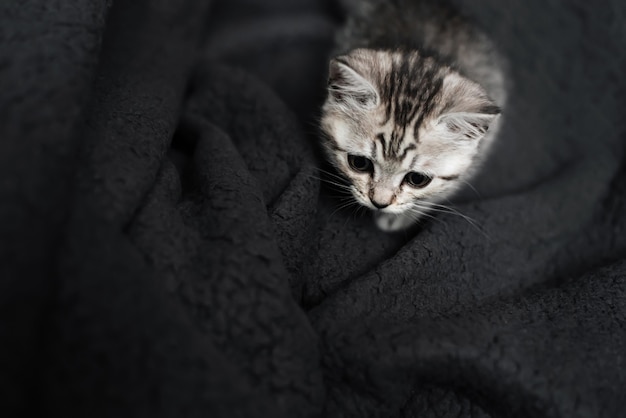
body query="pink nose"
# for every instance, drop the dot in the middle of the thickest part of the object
(379, 205)
(381, 197)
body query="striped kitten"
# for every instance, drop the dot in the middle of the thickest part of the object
(412, 94)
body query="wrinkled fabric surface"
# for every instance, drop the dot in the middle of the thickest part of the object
(167, 248)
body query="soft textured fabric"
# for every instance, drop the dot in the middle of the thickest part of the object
(167, 248)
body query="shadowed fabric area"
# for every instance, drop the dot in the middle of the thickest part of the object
(167, 248)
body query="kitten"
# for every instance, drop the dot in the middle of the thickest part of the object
(413, 99)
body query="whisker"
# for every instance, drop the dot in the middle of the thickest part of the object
(347, 203)
(353, 214)
(436, 207)
(338, 185)
(327, 181)
(341, 198)
(417, 215)
(471, 187)
(445, 209)
(330, 173)
(342, 207)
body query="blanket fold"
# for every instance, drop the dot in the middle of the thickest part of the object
(172, 244)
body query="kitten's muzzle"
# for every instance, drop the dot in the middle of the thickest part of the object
(381, 195)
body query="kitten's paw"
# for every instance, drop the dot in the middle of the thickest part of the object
(391, 222)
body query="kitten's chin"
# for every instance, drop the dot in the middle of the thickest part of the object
(392, 222)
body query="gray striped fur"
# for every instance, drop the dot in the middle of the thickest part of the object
(414, 88)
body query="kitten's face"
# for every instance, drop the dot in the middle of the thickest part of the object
(402, 130)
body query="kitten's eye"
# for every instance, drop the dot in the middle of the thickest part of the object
(360, 163)
(417, 180)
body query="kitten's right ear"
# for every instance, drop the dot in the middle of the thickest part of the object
(348, 87)
(466, 125)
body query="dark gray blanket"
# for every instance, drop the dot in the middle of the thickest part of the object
(168, 250)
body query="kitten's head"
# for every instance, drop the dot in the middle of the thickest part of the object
(402, 128)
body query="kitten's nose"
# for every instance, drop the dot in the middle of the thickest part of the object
(379, 205)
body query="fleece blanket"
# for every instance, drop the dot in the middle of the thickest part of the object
(168, 247)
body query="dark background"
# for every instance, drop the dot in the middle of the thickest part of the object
(167, 248)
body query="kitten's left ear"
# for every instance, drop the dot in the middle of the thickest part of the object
(347, 87)
(467, 125)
